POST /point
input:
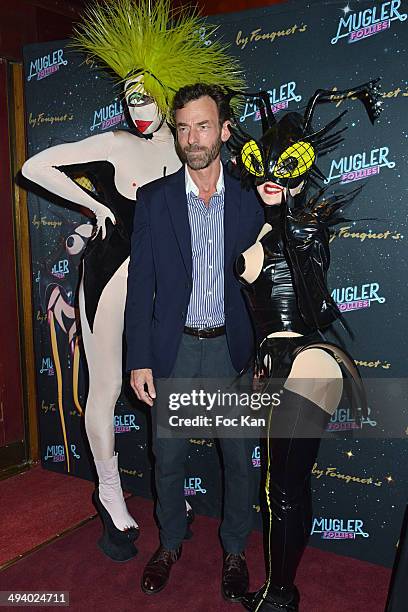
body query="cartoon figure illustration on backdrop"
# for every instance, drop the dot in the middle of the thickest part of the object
(285, 281)
(153, 51)
(57, 297)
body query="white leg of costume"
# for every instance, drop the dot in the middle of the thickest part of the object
(103, 350)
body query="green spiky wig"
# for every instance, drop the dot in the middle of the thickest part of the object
(171, 48)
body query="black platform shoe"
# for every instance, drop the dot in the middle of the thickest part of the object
(274, 601)
(116, 544)
(190, 519)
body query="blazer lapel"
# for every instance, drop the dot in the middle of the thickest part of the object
(232, 206)
(176, 199)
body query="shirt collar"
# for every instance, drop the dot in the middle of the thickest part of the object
(191, 187)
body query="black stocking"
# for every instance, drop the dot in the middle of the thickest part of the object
(295, 430)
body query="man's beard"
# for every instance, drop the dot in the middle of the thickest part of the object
(197, 157)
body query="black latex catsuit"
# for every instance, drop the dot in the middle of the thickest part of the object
(279, 300)
(273, 305)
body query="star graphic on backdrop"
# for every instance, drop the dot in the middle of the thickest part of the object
(349, 454)
(389, 478)
(346, 9)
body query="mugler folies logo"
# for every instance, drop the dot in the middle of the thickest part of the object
(338, 529)
(56, 453)
(356, 25)
(47, 366)
(192, 486)
(279, 98)
(60, 269)
(343, 420)
(125, 422)
(108, 116)
(357, 296)
(359, 165)
(256, 457)
(43, 66)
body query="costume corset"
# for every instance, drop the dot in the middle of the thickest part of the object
(271, 297)
(103, 257)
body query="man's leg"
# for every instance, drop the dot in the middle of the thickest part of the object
(170, 455)
(238, 475)
(238, 493)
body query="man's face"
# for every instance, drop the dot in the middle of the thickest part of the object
(142, 109)
(199, 134)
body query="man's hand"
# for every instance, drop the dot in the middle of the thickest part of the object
(138, 380)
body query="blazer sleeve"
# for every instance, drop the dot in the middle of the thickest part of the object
(140, 290)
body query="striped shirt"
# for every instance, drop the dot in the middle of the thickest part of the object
(206, 307)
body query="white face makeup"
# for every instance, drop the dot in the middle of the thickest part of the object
(272, 194)
(142, 109)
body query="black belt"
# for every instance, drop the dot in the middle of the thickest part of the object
(205, 332)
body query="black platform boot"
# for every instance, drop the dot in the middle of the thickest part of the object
(288, 497)
(116, 544)
(272, 600)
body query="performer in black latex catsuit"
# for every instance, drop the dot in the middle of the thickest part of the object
(284, 277)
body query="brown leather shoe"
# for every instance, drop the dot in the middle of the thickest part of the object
(235, 578)
(157, 571)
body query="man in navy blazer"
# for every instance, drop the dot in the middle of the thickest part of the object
(160, 281)
(186, 316)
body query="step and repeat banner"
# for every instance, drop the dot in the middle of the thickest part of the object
(290, 50)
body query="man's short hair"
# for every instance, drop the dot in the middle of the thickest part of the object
(198, 90)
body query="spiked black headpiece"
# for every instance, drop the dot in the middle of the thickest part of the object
(288, 149)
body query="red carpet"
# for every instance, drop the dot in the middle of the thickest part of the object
(37, 505)
(328, 582)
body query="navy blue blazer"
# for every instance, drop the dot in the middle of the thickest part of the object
(160, 272)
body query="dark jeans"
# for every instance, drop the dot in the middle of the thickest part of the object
(208, 358)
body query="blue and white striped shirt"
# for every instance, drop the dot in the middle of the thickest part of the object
(206, 307)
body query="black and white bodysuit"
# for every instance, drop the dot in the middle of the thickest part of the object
(103, 257)
(117, 163)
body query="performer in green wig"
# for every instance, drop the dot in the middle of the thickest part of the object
(153, 51)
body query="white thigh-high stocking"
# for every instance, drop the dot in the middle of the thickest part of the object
(103, 350)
